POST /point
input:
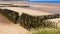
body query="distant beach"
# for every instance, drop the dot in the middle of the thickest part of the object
(46, 1)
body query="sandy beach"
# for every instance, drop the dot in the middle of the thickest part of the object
(7, 27)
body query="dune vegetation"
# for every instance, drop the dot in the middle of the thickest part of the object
(47, 31)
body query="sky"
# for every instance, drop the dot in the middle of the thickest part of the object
(30, 0)
(13, 0)
(44, 0)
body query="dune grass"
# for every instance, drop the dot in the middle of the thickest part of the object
(47, 31)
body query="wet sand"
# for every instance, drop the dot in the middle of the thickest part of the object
(29, 11)
(54, 11)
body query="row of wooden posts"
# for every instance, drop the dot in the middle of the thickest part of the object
(11, 15)
(28, 21)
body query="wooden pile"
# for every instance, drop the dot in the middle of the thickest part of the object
(11, 15)
(29, 22)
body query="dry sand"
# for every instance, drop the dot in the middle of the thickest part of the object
(12, 29)
(7, 27)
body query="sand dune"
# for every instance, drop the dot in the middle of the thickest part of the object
(7, 27)
(12, 29)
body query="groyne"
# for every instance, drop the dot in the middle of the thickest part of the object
(29, 21)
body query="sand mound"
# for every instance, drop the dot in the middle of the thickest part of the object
(12, 29)
(7, 27)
